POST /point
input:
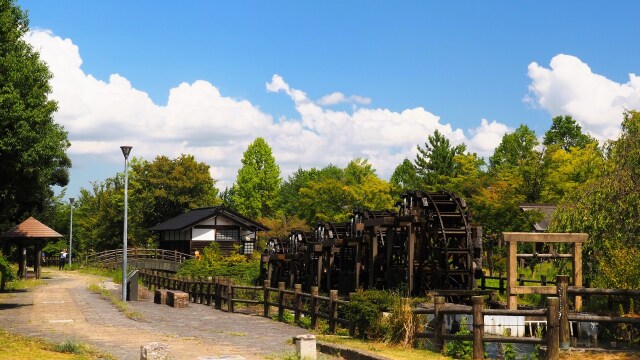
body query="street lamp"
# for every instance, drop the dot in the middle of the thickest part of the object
(125, 151)
(71, 200)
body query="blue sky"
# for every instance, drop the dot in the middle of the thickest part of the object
(325, 82)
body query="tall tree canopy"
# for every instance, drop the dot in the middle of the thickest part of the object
(515, 149)
(32, 147)
(566, 133)
(256, 189)
(608, 208)
(166, 188)
(435, 162)
(404, 178)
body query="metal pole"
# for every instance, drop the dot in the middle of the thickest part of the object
(125, 152)
(71, 231)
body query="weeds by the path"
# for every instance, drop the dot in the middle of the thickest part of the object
(115, 300)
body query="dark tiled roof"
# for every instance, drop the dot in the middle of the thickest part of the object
(31, 228)
(196, 216)
(547, 211)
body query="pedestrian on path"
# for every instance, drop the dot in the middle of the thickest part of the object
(63, 259)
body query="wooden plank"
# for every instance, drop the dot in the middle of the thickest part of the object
(512, 272)
(545, 237)
(540, 290)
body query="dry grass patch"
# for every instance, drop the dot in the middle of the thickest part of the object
(395, 352)
(17, 347)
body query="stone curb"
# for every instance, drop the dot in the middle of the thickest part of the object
(347, 353)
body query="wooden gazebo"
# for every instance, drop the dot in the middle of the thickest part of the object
(30, 232)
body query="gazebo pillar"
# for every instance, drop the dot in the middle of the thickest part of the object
(37, 260)
(23, 259)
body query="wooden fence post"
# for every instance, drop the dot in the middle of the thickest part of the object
(314, 307)
(217, 295)
(281, 301)
(267, 300)
(438, 324)
(552, 337)
(562, 284)
(231, 293)
(478, 327)
(208, 294)
(333, 310)
(543, 280)
(297, 301)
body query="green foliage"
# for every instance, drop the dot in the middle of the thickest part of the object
(241, 269)
(8, 271)
(68, 347)
(258, 181)
(99, 215)
(332, 194)
(566, 133)
(166, 188)
(435, 162)
(514, 149)
(607, 208)
(507, 350)
(460, 349)
(32, 147)
(365, 310)
(404, 178)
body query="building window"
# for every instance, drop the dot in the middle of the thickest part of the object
(227, 235)
(248, 248)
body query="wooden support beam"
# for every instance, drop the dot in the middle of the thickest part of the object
(545, 237)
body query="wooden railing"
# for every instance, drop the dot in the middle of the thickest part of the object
(111, 256)
(550, 339)
(223, 294)
(502, 282)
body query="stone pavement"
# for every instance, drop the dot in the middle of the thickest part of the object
(64, 309)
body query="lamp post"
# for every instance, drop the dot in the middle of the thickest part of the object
(125, 151)
(71, 200)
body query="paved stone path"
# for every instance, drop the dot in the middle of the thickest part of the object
(64, 309)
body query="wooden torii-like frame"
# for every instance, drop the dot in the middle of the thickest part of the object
(513, 238)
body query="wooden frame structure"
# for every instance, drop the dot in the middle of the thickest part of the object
(512, 239)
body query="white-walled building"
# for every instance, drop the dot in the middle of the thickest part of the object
(196, 229)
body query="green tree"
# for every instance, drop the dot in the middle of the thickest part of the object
(569, 169)
(335, 193)
(515, 149)
(289, 194)
(566, 133)
(165, 188)
(404, 178)
(256, 190)
(607, 208)
(99, 215)
(435, 162)
(32, 146)
(517, 154)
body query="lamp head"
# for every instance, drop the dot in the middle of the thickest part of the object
(71, 200)
(125, 151)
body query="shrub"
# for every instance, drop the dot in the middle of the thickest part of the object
(460, 349)
(8, 271)
(241, 269)
(366, 308)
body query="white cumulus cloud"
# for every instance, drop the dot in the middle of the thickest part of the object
(197, 119)
(570, 87)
